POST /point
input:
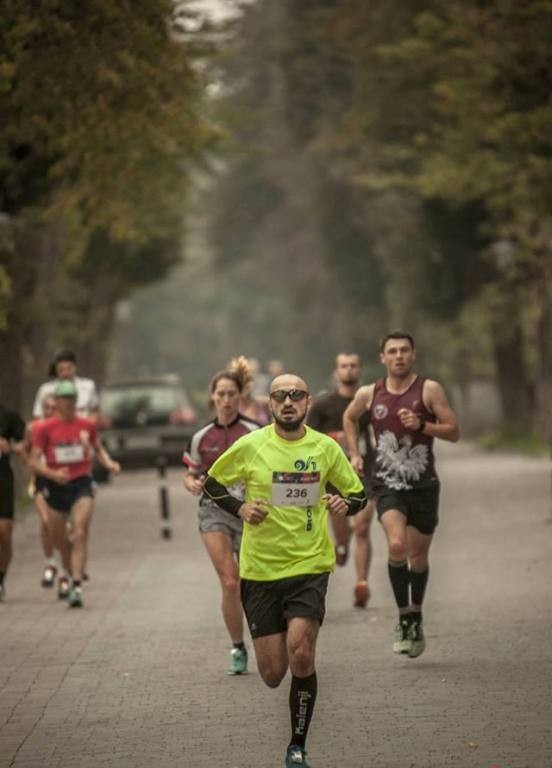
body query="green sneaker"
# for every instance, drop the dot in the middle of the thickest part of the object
(238, 662)
(75, 598)
(417, 639)
(296, 756)
(403, 642)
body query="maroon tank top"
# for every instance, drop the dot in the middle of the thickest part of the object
(404, 459)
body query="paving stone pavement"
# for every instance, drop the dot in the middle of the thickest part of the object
(136, 678)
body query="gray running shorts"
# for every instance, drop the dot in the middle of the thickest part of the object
(212, 518)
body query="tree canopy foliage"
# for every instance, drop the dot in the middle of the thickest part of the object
(458, 113)
(389, 163)
(100, 120)
(378, 164)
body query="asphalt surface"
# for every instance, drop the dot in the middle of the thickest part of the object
(136, 679)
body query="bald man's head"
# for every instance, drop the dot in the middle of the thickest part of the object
(289, 401)
(289, 381)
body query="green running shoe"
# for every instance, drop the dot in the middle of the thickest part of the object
(238, 662)
(75, 598)
(296, 756)
(403, 642)
(417, 639)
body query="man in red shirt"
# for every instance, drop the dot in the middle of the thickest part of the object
(68, 442)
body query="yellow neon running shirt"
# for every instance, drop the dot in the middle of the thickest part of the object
(292, 540)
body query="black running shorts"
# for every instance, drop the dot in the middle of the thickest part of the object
(420, 506)
(62, 498)
(7, 503)
(40, 483)
(269, 605)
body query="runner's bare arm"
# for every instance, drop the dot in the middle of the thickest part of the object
(193, 482)
(37, 466)
(360, 404)
(27, 444)
(105, 459)
(436, 401)
(7, 446)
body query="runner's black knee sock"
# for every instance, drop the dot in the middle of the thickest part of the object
(418, 581)
(399, 577)
(302, 696)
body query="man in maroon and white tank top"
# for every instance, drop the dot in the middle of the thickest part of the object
(404, 457)
(407, 412)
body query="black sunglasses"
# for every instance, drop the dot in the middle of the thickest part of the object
(294, 394)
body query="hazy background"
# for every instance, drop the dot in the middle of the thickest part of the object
(184, 182)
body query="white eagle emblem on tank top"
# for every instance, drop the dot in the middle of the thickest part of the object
(400, 463)
(381, 411)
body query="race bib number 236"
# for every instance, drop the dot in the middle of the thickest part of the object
(295, 489)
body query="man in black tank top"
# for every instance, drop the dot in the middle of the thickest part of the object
(406, 413)
(326, 415)
(12, 432)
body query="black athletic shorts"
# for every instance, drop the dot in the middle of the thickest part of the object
(420, 506)
(40, 483)
(269, 605)
(7, 501)
(63, 497)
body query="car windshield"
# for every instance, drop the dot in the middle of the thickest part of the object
(116, 401)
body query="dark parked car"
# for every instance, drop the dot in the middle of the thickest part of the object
(142, 420)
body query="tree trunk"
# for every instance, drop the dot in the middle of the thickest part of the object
(98, 316)
(40, 339)
(14, 342)
(514, 388)
(543, 410)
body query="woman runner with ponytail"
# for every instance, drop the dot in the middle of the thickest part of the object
(220, 531)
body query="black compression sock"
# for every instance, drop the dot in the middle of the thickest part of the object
(302, 696)
(2, 574)
(239, 646)
(418, 581)
(399, 577)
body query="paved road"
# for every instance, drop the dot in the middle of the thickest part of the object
(136, 679)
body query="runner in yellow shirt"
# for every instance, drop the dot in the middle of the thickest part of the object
(286, 554)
